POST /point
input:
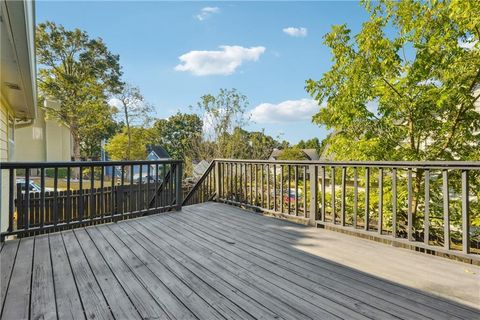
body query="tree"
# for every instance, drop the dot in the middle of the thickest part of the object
(292, 154)
(117, 146)
(134, 110)
(221, 114)
(80, 73)
(179, 134)
(313, 143)
(404, 88)
(242, 144)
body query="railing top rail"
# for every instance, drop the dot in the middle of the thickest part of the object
(45, 164)
(392, 164)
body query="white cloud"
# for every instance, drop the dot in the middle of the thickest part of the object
(206, 12)
(286, 111)
(296, 32)
(218, 62)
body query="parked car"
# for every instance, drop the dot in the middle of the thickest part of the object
(32, 186)
(290, 193)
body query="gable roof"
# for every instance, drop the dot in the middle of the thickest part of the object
(311, 154)
(159, 151)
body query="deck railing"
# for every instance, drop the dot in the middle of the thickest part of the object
(40, 197)
(204, 189)
(427, 205)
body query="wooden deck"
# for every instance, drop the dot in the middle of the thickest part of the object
(214, 261)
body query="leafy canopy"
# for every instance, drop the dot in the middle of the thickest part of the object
(405, 86)
(179, 134)
(293, 153)
(80, 73)
(117, 146)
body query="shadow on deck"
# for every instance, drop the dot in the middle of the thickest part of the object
(215, 261)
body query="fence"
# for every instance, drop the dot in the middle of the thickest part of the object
(428, 205)
(83, 193)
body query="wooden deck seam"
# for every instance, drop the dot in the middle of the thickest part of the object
(159, 262)
(296, 310)
(73, 275)
(409, 291)
(326, 287)
(115, 274)
(214, 261)
(4, 295)
(102, 288)
(210, 303)
(325, 295)
(289, 262)
(230, 284)
(259, 233)
(119, 283)
(145, 265)
(272, 283)
(31, 279)
(76, 282)
(53, 275)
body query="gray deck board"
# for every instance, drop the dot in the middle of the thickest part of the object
(94, 303)
(69, 305)
(215, 261)
(16, 304)
(43, 294)
(7, 259)
(260, 243)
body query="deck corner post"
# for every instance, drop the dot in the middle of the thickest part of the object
(314, 214)
(217, 180)
(178, 186)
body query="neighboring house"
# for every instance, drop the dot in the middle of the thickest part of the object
(47, 139)
(157, 153)
(310, 154)
(18, 94)
(153, 153)
(199, 168)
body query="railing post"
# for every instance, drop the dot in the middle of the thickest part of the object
(218, 179)
(314, 214)
(178, 186)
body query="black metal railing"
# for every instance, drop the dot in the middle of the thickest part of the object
(428, 205)
(40, 197)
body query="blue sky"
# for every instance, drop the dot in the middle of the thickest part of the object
(176, 52)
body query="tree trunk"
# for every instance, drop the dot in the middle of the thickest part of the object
(76, 146)
(129, 134)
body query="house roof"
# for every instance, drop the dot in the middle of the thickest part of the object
(159, 151)
(311, 154)
(18, 65)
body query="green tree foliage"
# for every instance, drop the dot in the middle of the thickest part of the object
(313, 143)
(404, 88)
(180, 135)
(134, 110)
(117, 146)
(292, 154)
(221, 114)
(80, 73)
(242, 144)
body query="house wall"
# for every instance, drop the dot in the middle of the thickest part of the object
(46, 140)
(31, 139)
(6, 151)
(58, 142)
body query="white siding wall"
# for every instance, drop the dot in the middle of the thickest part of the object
(5, 153)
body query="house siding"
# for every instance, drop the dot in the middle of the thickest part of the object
(5, 154)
